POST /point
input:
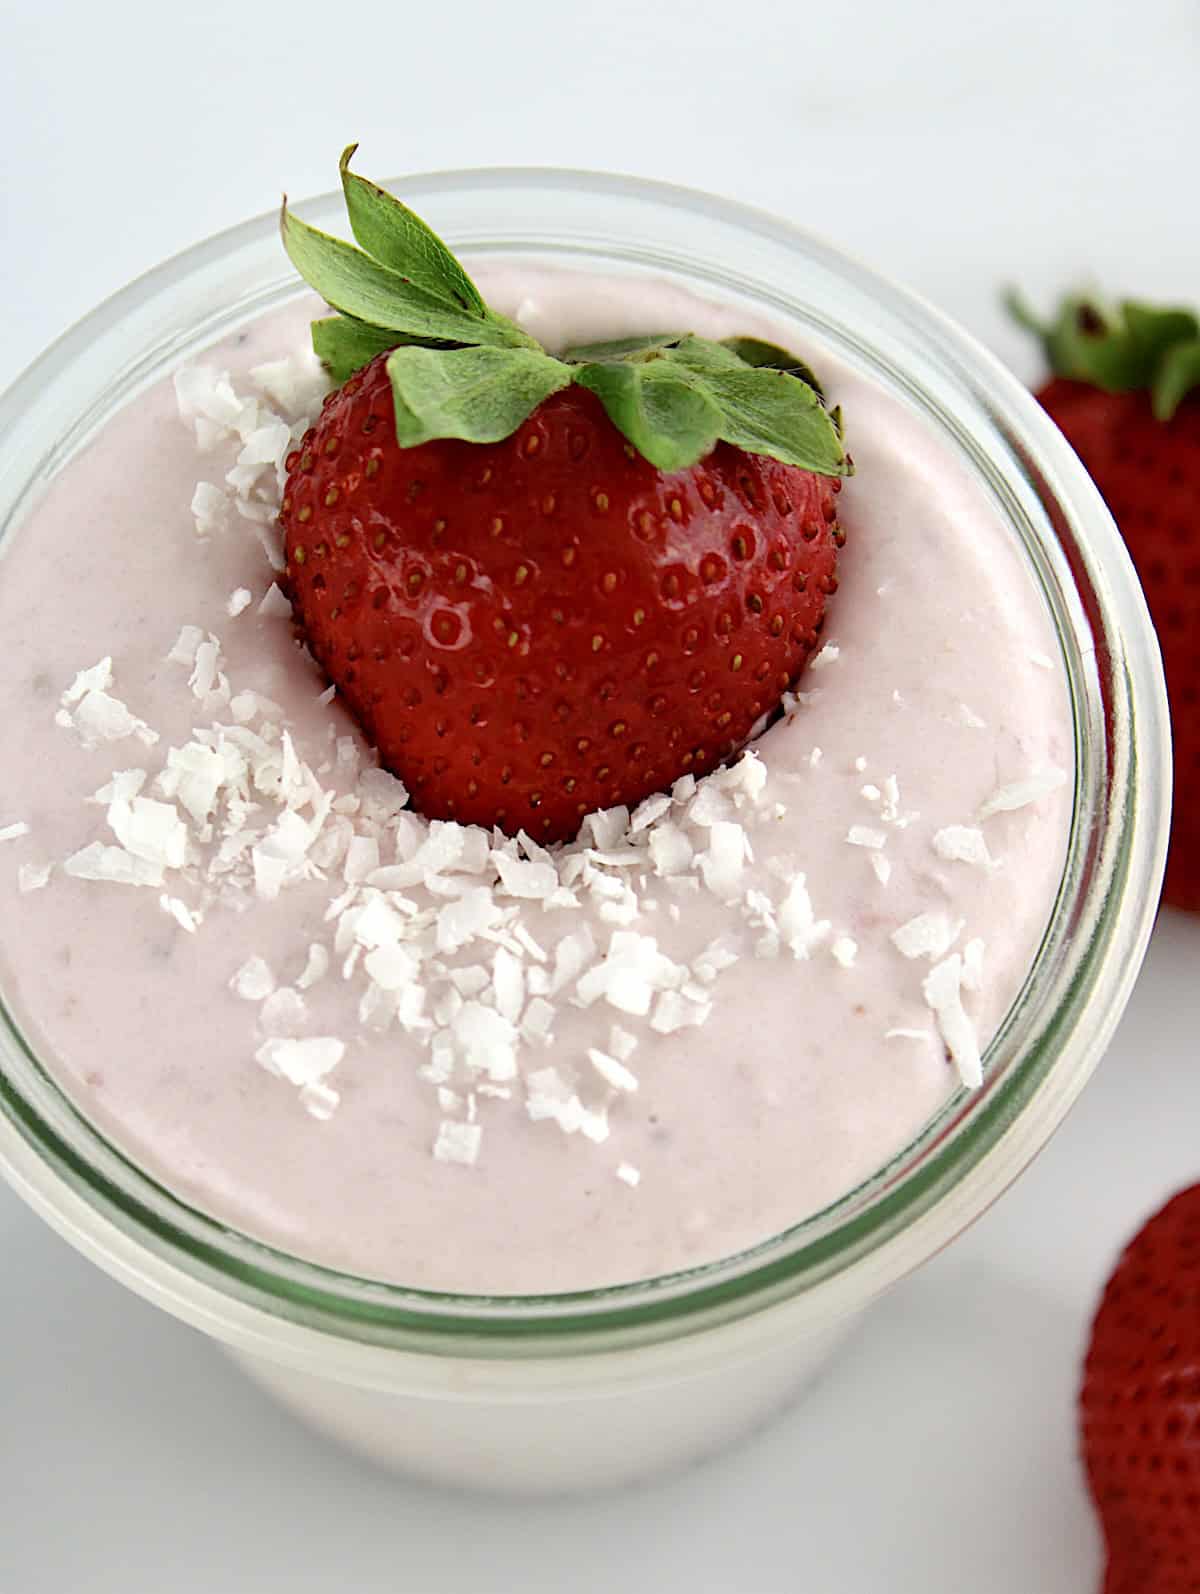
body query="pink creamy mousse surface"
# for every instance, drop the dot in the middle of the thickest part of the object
(923, 775)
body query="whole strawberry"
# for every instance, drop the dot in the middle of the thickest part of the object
(1123, 394)
(1140, 1407)
(547, 585)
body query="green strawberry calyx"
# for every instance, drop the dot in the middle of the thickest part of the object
(1125, 347)
(459, 369)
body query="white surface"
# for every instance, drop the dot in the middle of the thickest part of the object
(954, 146)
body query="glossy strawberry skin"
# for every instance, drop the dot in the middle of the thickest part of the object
(1149, 474)
(1140, 1407)
(534, 629)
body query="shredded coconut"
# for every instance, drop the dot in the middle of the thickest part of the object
(881, 866)
(253, 982)
(929, 935)
(866, 836)
(1039, 784)
(942, 988)
(458, 1142)
(611, 1071)
(844, 951)
(962, 844)
(301, 1061)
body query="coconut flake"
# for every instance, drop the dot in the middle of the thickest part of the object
(319, 1100)
(485, 1041)
(283, 1013)
(632, 971)
(571, 956)
(508, 985)
(112, 864)
(844, 950)
(392, 966)
(87, 708)
(460, 922)
(648, 811)
(942, 990)
(881, 866)
(240, 600)
(670, 850)
(929, 935)
(723, 862)
(458, 1142)
(301, 1061)
(361, 860)
(254, 981)
(519, 878)
(799, 927)
(211, 509)
(149, 830)
(202, 390)
(549, 1095)
(972, 971)
(1020, 793)
(962, 844)
(628, 1174)
(186, 643)
(14, 832)
(621, 1043)
(295, 385)
(315, 968)
(613, 1073)
(605, 828)
(537, 1026)
(710, 806)
(33, 876)
(193, 777)
(184, 917)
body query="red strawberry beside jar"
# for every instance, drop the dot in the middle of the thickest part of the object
(1126, 392)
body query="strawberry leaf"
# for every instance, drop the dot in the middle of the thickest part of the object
(619, 350)
(480, 395)
(1124, 348)
(756, 352)
(345, 345)
(674, 399)
(461, 370)
(667, 417)
(1154, 332)
(1178, 373)
(763, 409)
(400, 240)
(358, 286)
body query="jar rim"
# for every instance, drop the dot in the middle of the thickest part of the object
(1080, 979)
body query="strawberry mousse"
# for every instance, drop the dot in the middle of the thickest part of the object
(453, 1053)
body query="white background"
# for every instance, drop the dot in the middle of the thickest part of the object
(956, 146)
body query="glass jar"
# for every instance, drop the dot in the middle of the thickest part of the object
(592, 1389)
